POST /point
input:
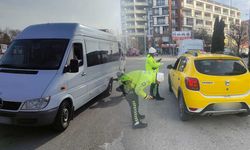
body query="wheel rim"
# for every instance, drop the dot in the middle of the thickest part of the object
(110, 87)
(65, 115)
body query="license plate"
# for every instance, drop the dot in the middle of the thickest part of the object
(5, 120)
(227, 106)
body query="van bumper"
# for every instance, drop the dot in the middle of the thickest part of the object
(35, 118)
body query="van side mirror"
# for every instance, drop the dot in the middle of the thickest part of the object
(74, 66)
(170, 67)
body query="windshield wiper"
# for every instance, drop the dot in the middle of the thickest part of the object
(8, 66)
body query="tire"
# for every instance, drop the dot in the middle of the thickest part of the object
(169, 84)
(183, 112)
(108, 91)
(63, 117)
(244, 114)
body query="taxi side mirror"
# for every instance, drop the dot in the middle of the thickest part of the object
(170, 67)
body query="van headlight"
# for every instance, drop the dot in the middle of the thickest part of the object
(36, 104)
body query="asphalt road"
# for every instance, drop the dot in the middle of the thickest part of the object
(105, 124)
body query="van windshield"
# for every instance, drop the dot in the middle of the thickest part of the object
(43, 54)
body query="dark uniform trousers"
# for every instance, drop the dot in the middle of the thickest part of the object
(133, 100)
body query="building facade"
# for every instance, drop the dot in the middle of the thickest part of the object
(202, 13)
(159, 18)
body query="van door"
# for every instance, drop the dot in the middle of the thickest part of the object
(77, 81)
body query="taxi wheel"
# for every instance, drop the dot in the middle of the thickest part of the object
(169, 84)
(183, 112)
(242, 114)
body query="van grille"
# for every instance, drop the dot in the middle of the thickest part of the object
(10, 105)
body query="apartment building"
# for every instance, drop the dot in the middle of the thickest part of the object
(159, 18)
(166, 17)
(202, 13)
(134, 17)
(189, 15)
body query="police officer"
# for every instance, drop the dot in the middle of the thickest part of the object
(153, 66)
(133, 85)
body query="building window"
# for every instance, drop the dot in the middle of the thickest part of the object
(199, 22)
(238, 14)
(209, 7)
(231, 20)
(190, 21)
(224, 18)
(198, 13)
(225, 11)
(216, 16)
(160, 2)
(208, 23)
(232, 13)
(199, 4)
(208, 15)
(190, 2)
(217, 9)
(188, 12)
(156, 11)
(161, 20)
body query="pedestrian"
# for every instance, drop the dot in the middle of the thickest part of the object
(133, 85)
(153, 66)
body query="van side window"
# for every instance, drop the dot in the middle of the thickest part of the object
(78, 52)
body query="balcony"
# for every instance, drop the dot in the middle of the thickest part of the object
(130, 19)
(217, 11)
(131, 27)
(140, 11)
(141, 4)
(140, 19)
(140, 26)
(129, 4)
(130, 12)
(187, 14)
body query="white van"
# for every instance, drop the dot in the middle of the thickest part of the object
(51, 70)
(190, 44)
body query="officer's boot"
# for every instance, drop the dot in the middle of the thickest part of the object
(158, 97)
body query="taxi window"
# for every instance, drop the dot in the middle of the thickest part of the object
(182, 65)
(176, 63)
(220, 67)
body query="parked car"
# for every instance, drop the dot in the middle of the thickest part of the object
(210, 84)
(133, 52)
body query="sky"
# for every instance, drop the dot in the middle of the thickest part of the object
(18, 14)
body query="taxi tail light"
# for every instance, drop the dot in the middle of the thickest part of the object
(192, 84)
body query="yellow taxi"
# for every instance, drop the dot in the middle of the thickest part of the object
(210, 84)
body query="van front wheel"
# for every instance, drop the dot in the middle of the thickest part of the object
(108, 91)
(63, 117)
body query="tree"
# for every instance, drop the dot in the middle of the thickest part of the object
(218, 36)
(237, 35)
(202, 34)
(5, 39)
(13, 34)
